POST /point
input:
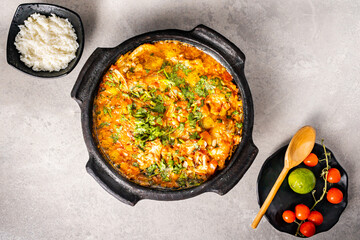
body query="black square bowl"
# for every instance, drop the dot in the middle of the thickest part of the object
(22, 13)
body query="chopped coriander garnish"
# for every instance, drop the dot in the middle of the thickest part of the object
(159, 108)
(193, 118)
(159, 121)
(203, 87)
(118, 129)
(104, 124)
(216, 82)
(228, 95)
(194, 135)
(125, 95)
(150, 170)
(111, 84)
(185, 69)
(107, 110)
(135, 164)
(165, 64)
(181, 126)
(141, 113)
(115, 137)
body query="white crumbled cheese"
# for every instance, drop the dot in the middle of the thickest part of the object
(46, 43)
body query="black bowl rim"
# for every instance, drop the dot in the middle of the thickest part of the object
(45, 74)
(270, 159)
(237, 71)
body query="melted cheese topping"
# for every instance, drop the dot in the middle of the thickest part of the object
(167, 115)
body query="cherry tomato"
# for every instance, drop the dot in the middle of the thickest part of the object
(307, 229)
(334, 196)
(302, 212)
(288, 216)
(316, 218)
(334, 175)
(311, 160)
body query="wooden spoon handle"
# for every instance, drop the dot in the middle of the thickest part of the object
(270, 197)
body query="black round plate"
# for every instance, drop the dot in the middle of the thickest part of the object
(22, 13)
(286, 199)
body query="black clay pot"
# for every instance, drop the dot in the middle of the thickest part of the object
(86, 88)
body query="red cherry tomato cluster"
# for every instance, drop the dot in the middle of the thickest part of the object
(334, 195)
(310, 219)
(302, 212)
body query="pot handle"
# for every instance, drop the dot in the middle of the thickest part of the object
(82, 85)
(216, 40)
(102, 175)
(224, 185)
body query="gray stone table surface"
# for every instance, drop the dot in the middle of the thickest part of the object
(303, 67)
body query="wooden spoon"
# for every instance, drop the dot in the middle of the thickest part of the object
(299, 148)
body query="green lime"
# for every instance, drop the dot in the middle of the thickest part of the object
(302, 180)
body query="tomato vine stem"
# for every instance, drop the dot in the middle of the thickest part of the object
(324, 174)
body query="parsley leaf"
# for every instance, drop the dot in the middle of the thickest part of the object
(159, 104)
(130, 108)
(159, 121)
(193, 118)
(140, 113)
(189, 95)
(135, 164)
(107, 110)
(194, 135)
(181, 66)
(165, 64)
(149, 127)
(151, 169)
(159, 108)
(111, 84)
(216, 82)
(203, 87)
(118, 129)
(181, 126)
(104, 124)
(115, 137)
(177, 168)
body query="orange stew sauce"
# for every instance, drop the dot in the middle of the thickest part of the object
(167, 115)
